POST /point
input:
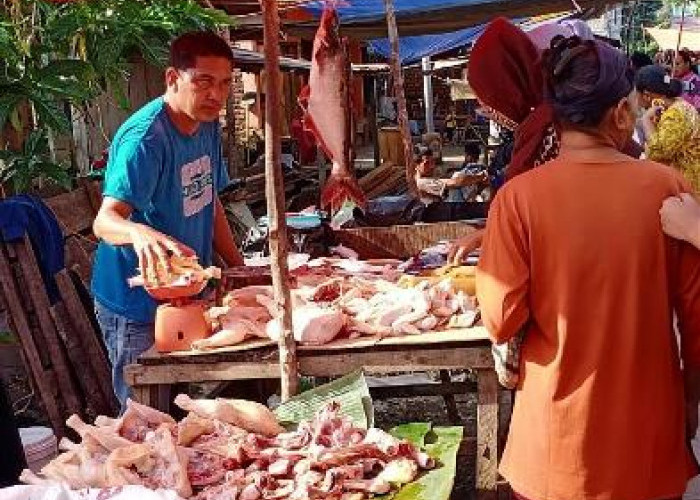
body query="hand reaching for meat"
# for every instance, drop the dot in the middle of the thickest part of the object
(155, 250)
(465, 245)
(179, 271)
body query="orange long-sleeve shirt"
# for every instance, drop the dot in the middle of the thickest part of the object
(576, 252)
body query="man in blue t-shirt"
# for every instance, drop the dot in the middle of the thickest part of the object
(161, 195)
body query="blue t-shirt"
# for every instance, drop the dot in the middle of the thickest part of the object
(170, 180)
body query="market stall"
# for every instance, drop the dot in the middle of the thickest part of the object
(156, 373)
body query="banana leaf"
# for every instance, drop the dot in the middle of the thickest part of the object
(351, 391)
(441, 443)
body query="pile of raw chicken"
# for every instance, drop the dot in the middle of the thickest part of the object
(234, 450)
(345, 306)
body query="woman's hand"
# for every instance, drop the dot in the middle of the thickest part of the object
(680, 218)
(463, 246)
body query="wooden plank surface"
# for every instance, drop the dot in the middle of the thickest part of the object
(87, 336)
(37, 292)
(466, 336)
(140, 375)
(73, 210)
(86, 377)
(153, 355)
(313, 363)
(453, 336)
(426, 359)
(19, 319)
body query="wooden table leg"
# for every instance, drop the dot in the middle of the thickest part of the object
(450, 402)
(144, 394)
(487, 435)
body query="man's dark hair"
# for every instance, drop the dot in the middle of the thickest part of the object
(655, 79)
(186, 48)
(639, 60)
(472, 150)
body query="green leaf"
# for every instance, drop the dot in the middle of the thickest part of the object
(350, 391)
(437, 484)
(415, 432)
(8, 104)
(61, 88)
(50, 115)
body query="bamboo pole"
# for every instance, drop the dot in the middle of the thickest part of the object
(397, 76)
(274, 192)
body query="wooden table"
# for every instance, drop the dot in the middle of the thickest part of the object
(451, 350)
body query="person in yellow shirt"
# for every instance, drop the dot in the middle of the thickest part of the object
(671, 125)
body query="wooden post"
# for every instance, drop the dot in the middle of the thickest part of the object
(274, 192)
(397, 75)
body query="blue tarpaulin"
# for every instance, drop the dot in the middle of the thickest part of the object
(366, 19)
(360, 11)
(413, 48)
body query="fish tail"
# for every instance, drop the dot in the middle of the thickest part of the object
(338, 190)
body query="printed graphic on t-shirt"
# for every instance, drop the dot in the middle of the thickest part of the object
(197, 182)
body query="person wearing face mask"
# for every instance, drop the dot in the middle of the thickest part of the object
(671, 126)
(574, 254)
(160, 192)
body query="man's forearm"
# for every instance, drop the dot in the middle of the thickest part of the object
(114, 228)
(224, 242)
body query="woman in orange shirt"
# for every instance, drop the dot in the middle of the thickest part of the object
(574, 253)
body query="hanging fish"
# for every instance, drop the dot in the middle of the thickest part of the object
(326, 103)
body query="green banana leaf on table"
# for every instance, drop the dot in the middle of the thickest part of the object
(352, 392)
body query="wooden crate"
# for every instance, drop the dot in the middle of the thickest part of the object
(400, 242)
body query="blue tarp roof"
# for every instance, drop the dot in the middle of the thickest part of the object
(413, 48)
(366, 19)
(360, 11)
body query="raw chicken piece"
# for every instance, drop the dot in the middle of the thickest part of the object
(183, 271)
(66, 444)
(400, 471)
(203, 469)
(66, 469)
(312, 325)
(248, 415)
(170, 468)
(191, 427)
(105, 436)
(125, 465)
(234, 332)
(102, 421)
(140, 419)
(246, 296)
(428, 323)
